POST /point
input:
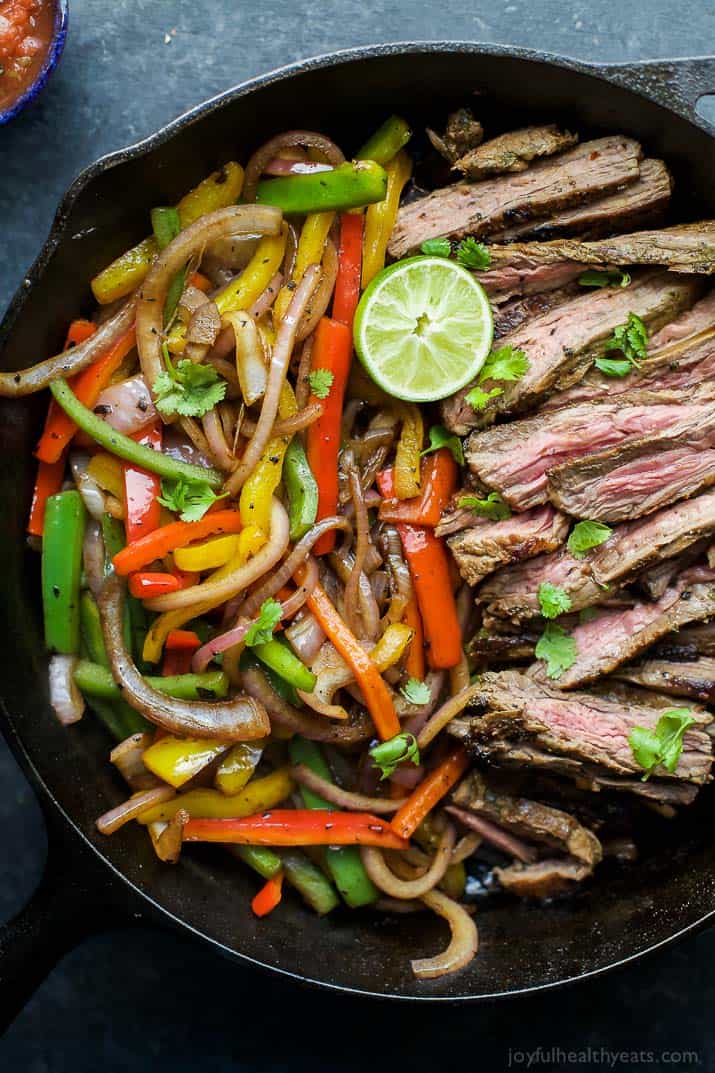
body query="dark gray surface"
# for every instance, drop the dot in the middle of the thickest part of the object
(141, 1000)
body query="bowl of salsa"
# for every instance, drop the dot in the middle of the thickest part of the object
(32, 37)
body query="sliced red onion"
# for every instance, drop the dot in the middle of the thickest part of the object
(282, 166)
(127, 758)
(127, 406)
(306, 637)
(128, 810)
(92, 495)
(344, 799)
(65, 697)
(463, 944)
(93, 557)
(494, 834)
(266, 299)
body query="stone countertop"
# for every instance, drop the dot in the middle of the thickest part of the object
(140, 1000)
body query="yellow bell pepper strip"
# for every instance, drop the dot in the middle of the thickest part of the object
(257, 796)
(378, 698)
(107, 471)
(380, 218)
(386, 142)
(257, 492)
(243, 291)
(310, 252)
(348, 186)
(296, 827)
(176, 760)
(123, 275)
(407, 473)
(208, 555)
(238, 766)
(65, 518)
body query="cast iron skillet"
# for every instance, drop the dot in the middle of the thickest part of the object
(90, 879)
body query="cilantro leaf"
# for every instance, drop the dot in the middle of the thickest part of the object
(440, 437)
(189, 499)
(612, 278)
(553, 600)
(262, 629)
(398, 750)
(587, 535)
(416, 692)
(493, 507)
(664, 745)
(191, 389)
(613, 366)
(504, 364)
(473, 254)
(631, 339)
(436, 247)
(557, 648)
(321, 381)
(478, 399)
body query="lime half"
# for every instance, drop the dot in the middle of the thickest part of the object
(423, 328)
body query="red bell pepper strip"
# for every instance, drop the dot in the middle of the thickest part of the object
(378, 698)
(268, 896)
(347, 283)
(429, 568)
(431, 790)
(439, 480)
(332, 350)
(415, 660)
(297, 827)
(179, 648)
(182, 641)
(201, 282)
(141, 489)
(47, 483)
(175, 535)
(87, 385)
(146, 584)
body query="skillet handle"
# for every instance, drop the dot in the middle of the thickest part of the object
(70, 903)
(677, 84)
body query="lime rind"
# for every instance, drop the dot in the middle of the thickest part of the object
(423, 328)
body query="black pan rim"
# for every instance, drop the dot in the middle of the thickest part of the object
(34, 275)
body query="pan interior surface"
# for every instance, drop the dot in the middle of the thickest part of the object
(523, 946)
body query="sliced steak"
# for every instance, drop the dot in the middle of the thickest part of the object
(689, 324)
(512, 314)
(490, 646)
(512, 152)
(640, 475)
(617, 635)
(528, 819)
(642, 202)
(579, 728)
(593, 168)
(512, 592)
(524, 277)
(515, 459)
(687, 644)
(696, 679)
(655, 579)
(543, 879)
(484, 547)
(560, 345)
(463, 132)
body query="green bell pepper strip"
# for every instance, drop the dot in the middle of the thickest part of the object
(343, 863)
(348, 186)
(301, 488)
(166, 225)
(386, 142)
(91, 629)
(280, 658)
(120, 445)
(96, 681)
(299, 871)
(65, 518)
(118, 716)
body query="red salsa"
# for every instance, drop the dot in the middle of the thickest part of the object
(26, 29)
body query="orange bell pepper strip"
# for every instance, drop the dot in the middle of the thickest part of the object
(374, 689)
(87, 385)
(182, 641)
(415, 659)
(47, 483)
(145, 584)
(269, 896)
(347, 283)
(141, 489)
(201, 282)
(332, 350)
(429, 569)
(297, 827)
(175, 535)
(431, 790)
(439, 480)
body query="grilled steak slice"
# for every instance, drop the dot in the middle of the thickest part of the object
(526, 277)
(528, 819)
(696, 679)
(513, 152)
(484, 547)
(688, 325)
(515, 458)
(512, 314)
(578, 728)
(641, 475)
(560, 345)
(463, 132)
(655, 579)
(642, 202)
(543, 879)
(617, 635)
(596, 167)
(512, 592)
(488, 646)
(687, 644)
